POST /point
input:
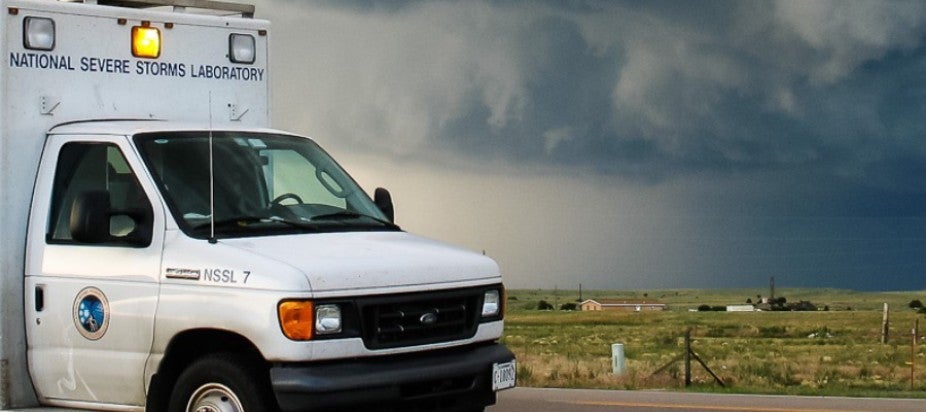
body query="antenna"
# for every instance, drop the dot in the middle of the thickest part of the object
(212, 239)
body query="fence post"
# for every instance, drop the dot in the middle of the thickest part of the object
(884, 325)
(688, 357)
(916, 330)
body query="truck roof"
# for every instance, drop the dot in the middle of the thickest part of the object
(129, 127)
(246, 10)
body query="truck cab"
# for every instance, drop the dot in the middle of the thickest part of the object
(178, 254)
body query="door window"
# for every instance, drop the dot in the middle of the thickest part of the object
(99, 167)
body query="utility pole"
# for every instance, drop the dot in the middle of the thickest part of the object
(772, 287)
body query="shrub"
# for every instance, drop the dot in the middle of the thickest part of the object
(773, 331)
(544, 305)
(568, 306)
(704, 308)
(915, 304)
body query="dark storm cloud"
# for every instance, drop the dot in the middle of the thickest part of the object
(641, 90)
(679, 144)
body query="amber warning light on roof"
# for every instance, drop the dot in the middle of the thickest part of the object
(146, 42)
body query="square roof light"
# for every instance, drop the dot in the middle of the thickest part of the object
(241, 48)
(39, 33)
(146, 42)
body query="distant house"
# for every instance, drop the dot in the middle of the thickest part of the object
(625, 305)
(741, 308)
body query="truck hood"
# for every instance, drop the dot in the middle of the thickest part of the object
(378, 261)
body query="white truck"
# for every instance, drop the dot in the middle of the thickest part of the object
(163, 249)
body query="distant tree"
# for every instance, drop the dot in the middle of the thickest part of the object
(802, 306)
(749, 300)
(646, 295)
(915, 304)
(544, 305)
(826, 308)
(704, 308)
(779, 304)
(568, 306)
(922, 310)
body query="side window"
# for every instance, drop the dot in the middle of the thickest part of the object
(99, 167)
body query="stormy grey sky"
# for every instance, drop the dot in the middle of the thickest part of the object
(629, 145)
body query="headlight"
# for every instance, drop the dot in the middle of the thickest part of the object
(303, 320)
(491, 303)
(327, 319)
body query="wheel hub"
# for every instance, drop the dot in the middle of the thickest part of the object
(214, 397)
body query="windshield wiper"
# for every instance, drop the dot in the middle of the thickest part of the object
(347, 215)
(245, 221)
(241, 221)
(295, 223)
(340, 215)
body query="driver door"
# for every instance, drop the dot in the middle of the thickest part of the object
(90, 306)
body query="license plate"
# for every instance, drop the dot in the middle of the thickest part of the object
(504, 375)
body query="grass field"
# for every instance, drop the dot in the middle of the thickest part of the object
(835, 352)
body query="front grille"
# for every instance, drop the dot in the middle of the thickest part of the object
(419, 319)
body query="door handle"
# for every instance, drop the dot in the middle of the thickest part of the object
(39, 298)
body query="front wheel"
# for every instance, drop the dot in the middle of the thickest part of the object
(222, 383)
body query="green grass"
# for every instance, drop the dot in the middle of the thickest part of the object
(837, 352)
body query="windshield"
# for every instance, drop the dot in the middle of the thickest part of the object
(264, 184)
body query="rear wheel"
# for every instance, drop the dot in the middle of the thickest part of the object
(223, 383)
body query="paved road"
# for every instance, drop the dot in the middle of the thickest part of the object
(577, 400)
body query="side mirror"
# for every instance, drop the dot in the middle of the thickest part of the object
(383, 201)
(89, 221)
(93, 221)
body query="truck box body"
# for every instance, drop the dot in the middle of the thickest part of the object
(92, 74)
(158, 240)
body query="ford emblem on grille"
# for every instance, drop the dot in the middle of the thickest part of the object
(428, 319)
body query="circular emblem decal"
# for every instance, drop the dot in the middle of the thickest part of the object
(91, 313)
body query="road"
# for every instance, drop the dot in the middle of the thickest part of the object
(580, 400)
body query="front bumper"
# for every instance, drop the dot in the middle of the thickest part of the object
(444, 380)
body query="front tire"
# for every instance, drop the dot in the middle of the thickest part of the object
(225, 382)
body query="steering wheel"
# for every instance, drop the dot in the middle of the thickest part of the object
(279, 199)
